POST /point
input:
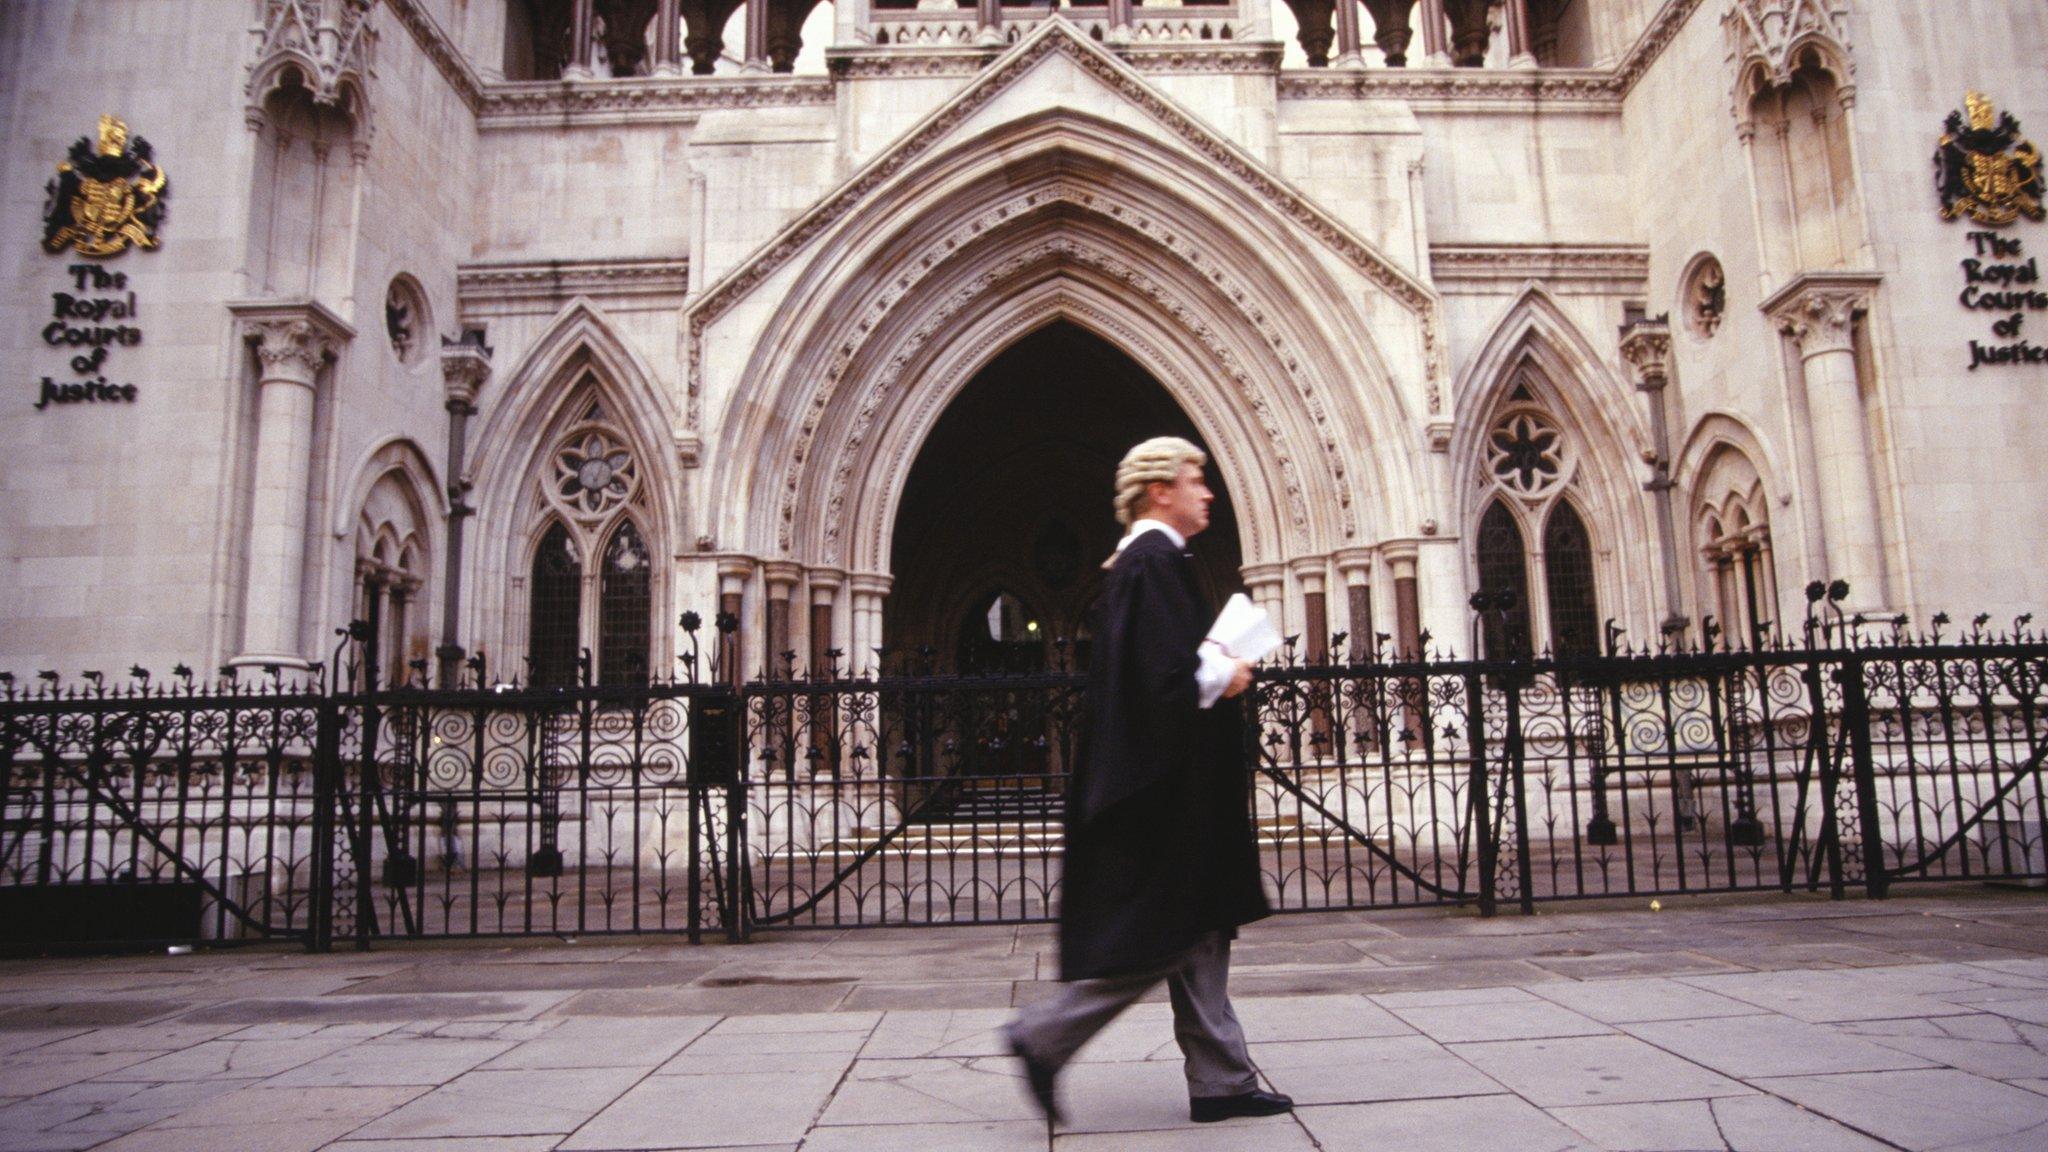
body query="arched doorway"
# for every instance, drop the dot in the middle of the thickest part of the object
(1005, 517)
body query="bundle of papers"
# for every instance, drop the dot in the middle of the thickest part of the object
(1243, 630)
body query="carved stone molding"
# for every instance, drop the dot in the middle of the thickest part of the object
(1646, 346)
(641, 99)
(1607, 266)
(1819, 310)
(937, 254)
(1056, 35)
(555, 281)
(465, 366)
(293, 340)
(1768, 39)
(440, 51)
(329, 44)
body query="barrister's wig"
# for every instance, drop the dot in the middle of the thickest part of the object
(1156, 461)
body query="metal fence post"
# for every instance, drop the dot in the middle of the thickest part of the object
(738, 861)
(1856, 717)
(1514, 765)
(1482, 832)
(326, 779)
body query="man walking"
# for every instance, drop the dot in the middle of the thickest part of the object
(1161, 866)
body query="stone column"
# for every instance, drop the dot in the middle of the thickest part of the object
(1348, 53)
(782, 577)
(1435, 47)
(668, 35)
(293, 343)
(825, 585)
(1520, 52)
(757, 37)
(1819, 314)
(1311, 573)
(1355, 566)
(988, 18)
(869, 590)
(582, 27)
(465, 365)
(1119, 21)
(1266, 584)
(733, 574)
(1469, 32)
(1646, 345)
(1407, 604)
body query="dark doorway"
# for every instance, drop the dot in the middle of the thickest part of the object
(1006, 518)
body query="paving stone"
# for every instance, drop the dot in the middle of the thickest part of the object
(717, 1043)
(1005, 1136)
(708, 1111)
(1368, 1069)
(1463, 1125)
(1750, 1046)
(1608, 967)
(370, 1009)
(946, 1032)
(262, 1104)
(231, 1058)
(591, 1042)
(516, 977)
(1824, 997)
(512, 1103)
(1986, 1045)
(30, 1073)
(1137, 1096)
(1385, 981)
(452, 1144)
(1594, 1070)
(1630, 1001)
(87, 1013)
(411, 1060)
(2006, 1002)
(719, 1064)
(962, 994)
(1458, 1023)
(1938, 1108)
(1451, 996)
(1739, 1123)
(695, 1001)
(1269, 1134)
(931, 1091)
(1273, 1019)
(87, 1113)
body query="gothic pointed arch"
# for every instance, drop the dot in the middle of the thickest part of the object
(581, 438)
(1546, 424)
(1046, 211)
(1728, 482)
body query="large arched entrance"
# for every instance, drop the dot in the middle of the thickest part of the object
(1005, 517)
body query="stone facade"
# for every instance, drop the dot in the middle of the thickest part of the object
(1653, 315)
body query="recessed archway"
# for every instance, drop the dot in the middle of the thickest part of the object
(1009, 497)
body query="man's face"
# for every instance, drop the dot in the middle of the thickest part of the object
(1183, 504)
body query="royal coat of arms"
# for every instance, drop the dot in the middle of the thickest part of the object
(1985, 169)
(106, 196)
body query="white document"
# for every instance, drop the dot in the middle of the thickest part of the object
(1244, 630)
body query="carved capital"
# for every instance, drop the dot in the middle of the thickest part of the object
(294, 339)
(465, 366)
(1819, 309)
(1646, 345)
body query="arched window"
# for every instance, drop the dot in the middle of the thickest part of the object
(1528, 473)
(594, 577)
(1568, 584)
(1738, 583)
(1503, 567)
(554, 609)
(623, 607)
(391, 572)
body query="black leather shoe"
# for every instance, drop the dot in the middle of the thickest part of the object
(1041, 1077)
(1209, 1109)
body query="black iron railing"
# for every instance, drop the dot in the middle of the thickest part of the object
(329, 807)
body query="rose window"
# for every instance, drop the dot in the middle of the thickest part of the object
(594, 473)
(1525, 454)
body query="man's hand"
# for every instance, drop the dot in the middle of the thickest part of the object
(1239, 680)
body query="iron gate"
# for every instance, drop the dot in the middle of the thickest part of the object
(312, 812)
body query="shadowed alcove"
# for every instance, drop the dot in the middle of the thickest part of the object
(1006, 517)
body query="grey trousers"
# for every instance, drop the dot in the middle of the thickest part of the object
(1211, 1040)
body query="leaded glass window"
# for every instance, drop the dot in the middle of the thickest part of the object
(1568, 574)
(1503, 567)
(555, 609)
(623, 608)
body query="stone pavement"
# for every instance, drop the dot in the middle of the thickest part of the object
(1765, 1023)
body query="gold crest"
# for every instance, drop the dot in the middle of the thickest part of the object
(107, 196)
(1985, 169)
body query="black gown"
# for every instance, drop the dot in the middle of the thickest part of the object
(1159, 843)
